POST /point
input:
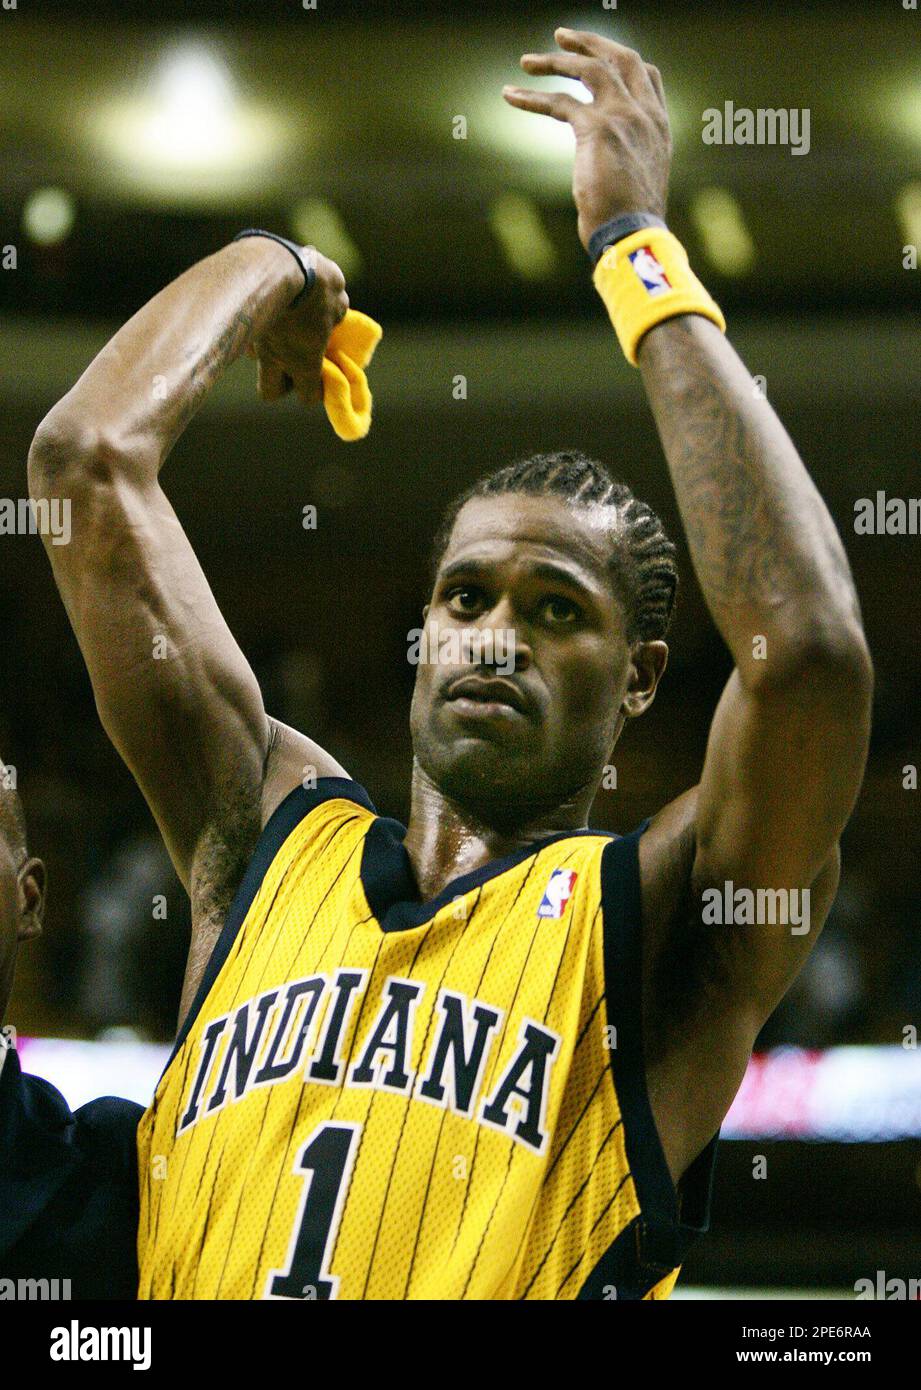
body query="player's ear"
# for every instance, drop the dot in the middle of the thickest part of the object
(425, 612)
(647, 664)
(32, 883)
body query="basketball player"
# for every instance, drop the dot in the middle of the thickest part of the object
(68, 1180)
(486, 1056)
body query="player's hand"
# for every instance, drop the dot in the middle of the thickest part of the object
(290, 353)
(623, 142)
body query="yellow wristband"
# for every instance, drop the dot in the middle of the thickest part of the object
(644, 279)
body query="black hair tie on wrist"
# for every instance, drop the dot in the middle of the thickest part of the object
(611, 232)
(307, 271)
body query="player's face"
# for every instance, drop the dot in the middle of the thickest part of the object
(518, 702)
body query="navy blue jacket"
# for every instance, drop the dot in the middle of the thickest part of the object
(68, 1188)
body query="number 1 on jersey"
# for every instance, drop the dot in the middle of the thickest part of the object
(326, 1159)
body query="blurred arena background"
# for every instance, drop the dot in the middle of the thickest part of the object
(137, 139)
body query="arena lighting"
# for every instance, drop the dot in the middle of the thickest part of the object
(904, 111)
(850, 1094)
(315, 222)
(524, 135)
(186, 131)
(908, 209)
(517, 225)
(719, 223)
(48, 216)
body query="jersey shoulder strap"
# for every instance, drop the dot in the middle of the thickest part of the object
(643, 1262)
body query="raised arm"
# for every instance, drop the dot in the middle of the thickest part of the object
(174, 692)
(789, 739)
(788, 742)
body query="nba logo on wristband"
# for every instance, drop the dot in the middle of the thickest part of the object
(644, 279)
(650, 271)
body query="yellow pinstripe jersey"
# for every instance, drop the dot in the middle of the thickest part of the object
(379, 1098)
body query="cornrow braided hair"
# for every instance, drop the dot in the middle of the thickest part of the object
(644, 563)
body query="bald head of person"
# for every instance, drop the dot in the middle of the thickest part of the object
(22, 886)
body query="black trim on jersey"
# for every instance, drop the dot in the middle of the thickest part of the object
(390, 884)
(286, 817)
(670, 1221)
(620, 1272)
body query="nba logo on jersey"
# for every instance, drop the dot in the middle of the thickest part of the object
(649, 270)
(557, 893)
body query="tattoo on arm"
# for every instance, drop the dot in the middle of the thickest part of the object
(206, 370)
(758, 530)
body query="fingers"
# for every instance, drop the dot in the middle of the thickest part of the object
(272, 382)
(600, 64)
(308, 389)
(307, 379)
(655, 78)
(328, 271)
(592, 73)
(622, 62)
(560, 105)
(584, 41)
